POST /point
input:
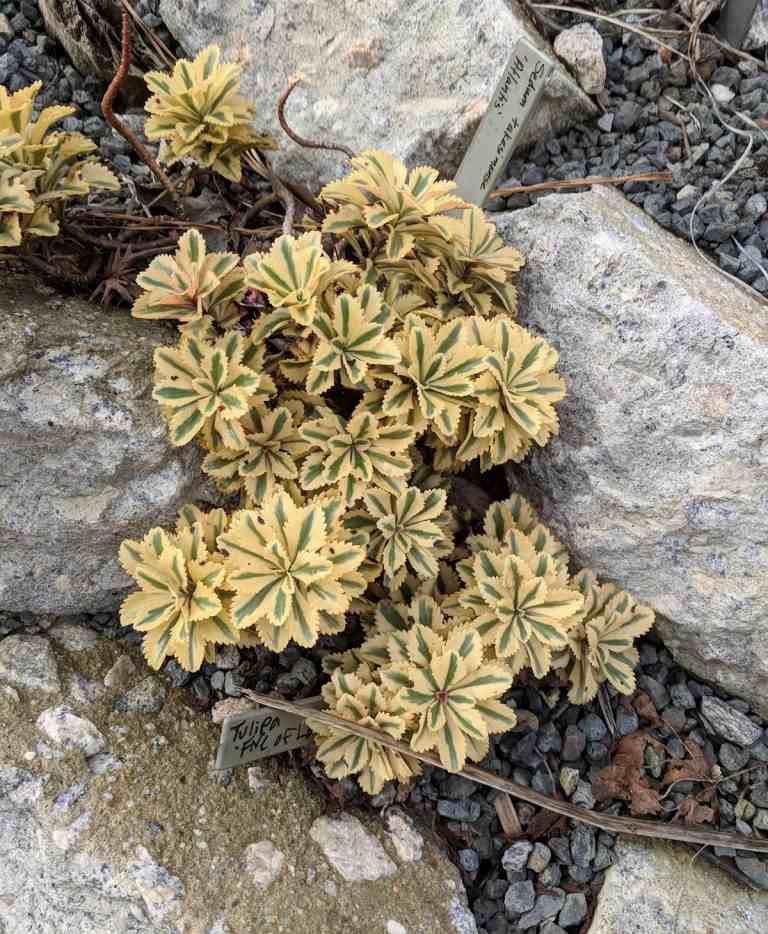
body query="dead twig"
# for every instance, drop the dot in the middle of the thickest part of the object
(580, 182)
(109, 115)
(639, 828)
(164, 54)
(300, 140)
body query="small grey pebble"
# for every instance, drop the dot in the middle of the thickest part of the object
(627, 721)
(574, 910)
(540, 857)
(593, 727)
(520, 898)
(469, 860)
(582, 845)
(515, 857)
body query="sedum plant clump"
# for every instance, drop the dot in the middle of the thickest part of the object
(197, 112)
(40, 168)
(334, 382)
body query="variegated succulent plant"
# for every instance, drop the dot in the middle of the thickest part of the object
(382, 357)
(293, 568)
(41, 169)
(182, 605)
(197, 112)
(368, 704)
(191, 284)
(601, 641)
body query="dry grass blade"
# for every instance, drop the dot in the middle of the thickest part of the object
(580, 182)
(639, 828)
(507, 814)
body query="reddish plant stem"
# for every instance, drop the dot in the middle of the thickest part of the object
(109, 115)
(300, 140)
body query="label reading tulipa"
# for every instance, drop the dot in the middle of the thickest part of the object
(511, 105)
(261, 733)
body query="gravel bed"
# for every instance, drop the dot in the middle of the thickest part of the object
(657, 120)
(546, 879)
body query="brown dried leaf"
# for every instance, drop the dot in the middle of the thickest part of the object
(695, 768)
(694, 813)
(624, 778)
(645, 707)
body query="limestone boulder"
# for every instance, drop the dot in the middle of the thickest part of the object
(657, 888)
(659, 478)
(400, 75)
(136, 834)
(85, 456)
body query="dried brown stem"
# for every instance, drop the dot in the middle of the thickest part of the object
(639, 828)
(300, 140)
(580, 182)
(109, 115)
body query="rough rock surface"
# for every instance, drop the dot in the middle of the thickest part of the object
(659, 478)
(420, 75)
(142, 838)
(86, 461)
(653, 889)
(581, 47)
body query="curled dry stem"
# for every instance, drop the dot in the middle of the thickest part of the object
(300, 140)
(109, 115)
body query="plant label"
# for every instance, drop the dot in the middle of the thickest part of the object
(261, 733)
(511, 105)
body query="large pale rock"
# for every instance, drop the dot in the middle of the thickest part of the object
(398, 75)
(86, 460)
(141, 839)
(659, 478)
(656, 888)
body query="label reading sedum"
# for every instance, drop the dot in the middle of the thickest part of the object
(261, 733)
(513, 101)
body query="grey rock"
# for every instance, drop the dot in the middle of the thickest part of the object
(561, 847)
(753, 868)
(407, 72)
(627, 721)
(681, 526)
(147, 697)
(626, 116)
(227, 657)
(73, 637)
(574, 744)
(353, 852)
(458, 810)
(642, 892)
(729, 723)
(456, 786)
(75, 400)
(68, 731)
(551, 876)
(760, 820)
(593, 727)
(28, 662)
(539, 858)
(583, 796)
(548, 904)
(520, 898)
(574, 910)
(551, 928)
(759, 795)
(569, 780)
(469, 860)
(603, 858)
(122, 674)
(582, 845)
(655, 690)
(681, 696)
(406, 839)
(262, 862)
(732, 757)
(581, 47)
(515, 857)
